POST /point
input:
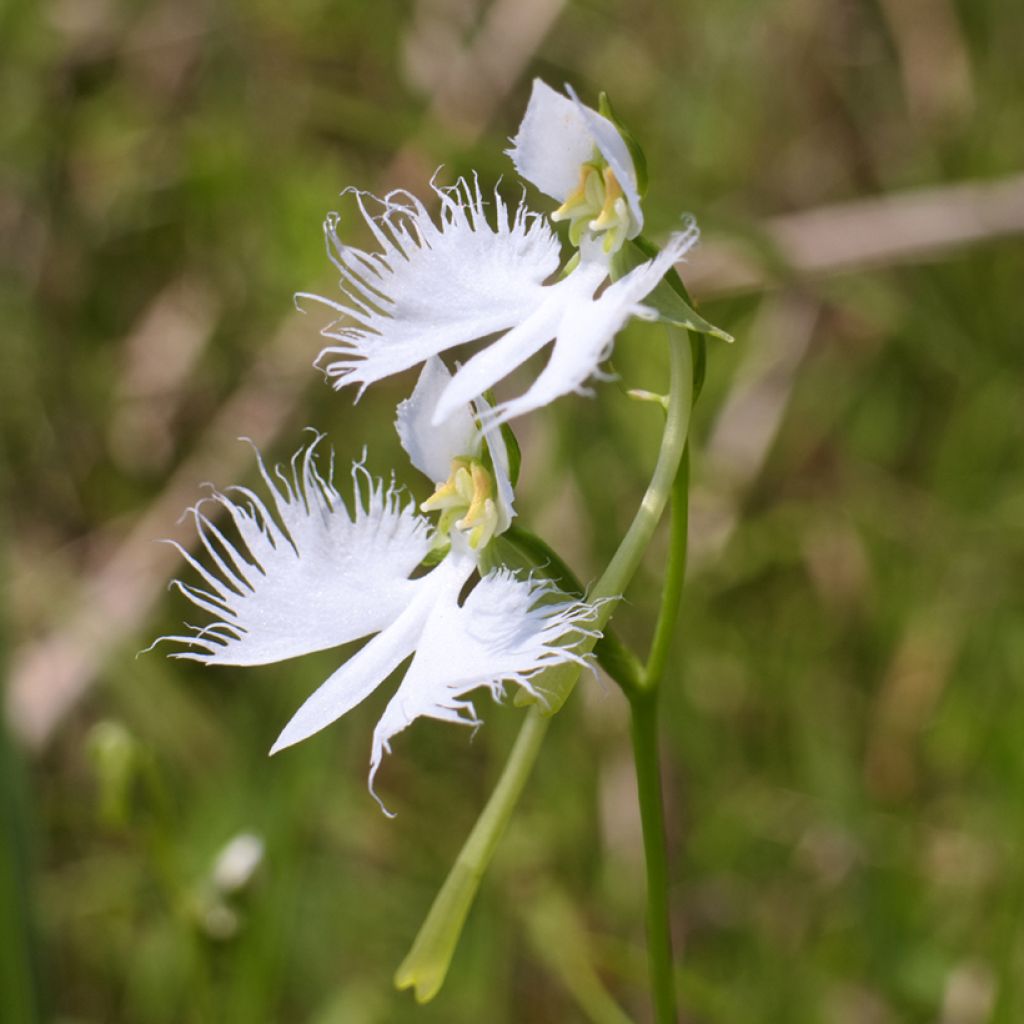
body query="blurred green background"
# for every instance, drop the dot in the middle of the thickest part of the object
(843, 723)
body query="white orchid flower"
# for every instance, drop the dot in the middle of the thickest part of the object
(579, 157)
(309, 572)
(432, 286)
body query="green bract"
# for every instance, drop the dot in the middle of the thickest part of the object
(668, 298)
(604, 106)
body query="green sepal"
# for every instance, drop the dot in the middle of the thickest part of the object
(669, 299)
(435, 556)
(515, 454)
(604, 106)
(570, 266)
(524, 699)
(499, 554)
(557, 683)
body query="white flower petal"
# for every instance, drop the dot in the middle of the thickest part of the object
(357, 678)
(503, 355)
(367, 669)
(308, 574)
(614, 149)
(507, 631)
(558, 135)
(431, 445)
(432, 286)
(588, 327)
(554, 140)
(505, 493)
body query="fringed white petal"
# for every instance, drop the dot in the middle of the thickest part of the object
(507, 631)
(357, 678)
(432, 286)
(306, 573)
(552, 143)
(367, 669)
(587, 329)
(430, 445)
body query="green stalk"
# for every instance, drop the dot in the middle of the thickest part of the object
(617, 576)
(626, 559)
(672, 590)
(644, 708)
(644, 723)
(644, 727)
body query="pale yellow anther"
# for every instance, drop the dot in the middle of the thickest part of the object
(597, 204)
(615, 235)
(482, 533)
(583, 200)
(481, 517)
(466, 502)
(613, 203)
(455, 492)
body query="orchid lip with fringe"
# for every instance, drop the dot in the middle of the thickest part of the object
(434, 285)
(309, 572)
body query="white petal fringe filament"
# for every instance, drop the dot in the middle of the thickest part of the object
(309, 572)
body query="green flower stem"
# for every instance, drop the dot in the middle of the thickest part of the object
(643, 699)
(644, 707)
(644, 727)
(626, 559)
(426, 964)
(672, 590)
(617, 576)
(644, 722)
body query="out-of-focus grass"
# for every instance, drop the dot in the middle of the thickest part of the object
(843, 723)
